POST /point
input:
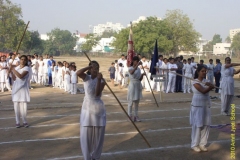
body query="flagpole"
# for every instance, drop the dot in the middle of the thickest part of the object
(122, 107)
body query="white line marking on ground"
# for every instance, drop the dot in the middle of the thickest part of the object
(141, 150)
(108, 113)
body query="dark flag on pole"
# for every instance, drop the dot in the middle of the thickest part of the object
(130, 51)
(154, 61)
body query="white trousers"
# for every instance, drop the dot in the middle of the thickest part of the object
(34, 76)
(20, 109)
(67, 86)
(73, 88)
(199, 135)
(171, 83)
(130, 104)
(91, 140)
(187, 83)
(45, 78)
(226, 101)
(54, 80)
(40, 79)
(125, 79)
(210, 77)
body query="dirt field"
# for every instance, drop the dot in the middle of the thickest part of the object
(54, 129)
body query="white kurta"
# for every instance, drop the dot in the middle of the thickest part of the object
(135, 86)
(227, 81)
(20, 89)
(93, 111)
(200, 113)
(3, 72)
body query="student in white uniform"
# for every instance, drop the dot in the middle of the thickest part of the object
(54, 74)
(116, 72)
(3, 74)
(210, 74)
(93, 113)
(20, 90)
(67, 78)
(159, 85)
(227, 85)
(146, 69)
(120, 75)
(34, 70)
(45, 75)
(14, 61)
(41, 71)
(172, 77)
(187, 70)
(194, 65)
(73, 80)
(183, 78)
(60, 75)
(135, 88)
(200, 113)
(164, 69)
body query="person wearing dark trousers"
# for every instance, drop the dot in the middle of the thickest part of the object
(217, 74)
(179, 78)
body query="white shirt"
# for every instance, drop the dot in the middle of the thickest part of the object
(13, 62)
(171, 66)
(121, 61)
(188, 68)
(73, 76)
(210, 67)
(194, 64)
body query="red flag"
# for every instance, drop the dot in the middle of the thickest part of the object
(130, 52)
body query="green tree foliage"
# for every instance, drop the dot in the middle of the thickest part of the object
(144, 35)
(60, 41)
(209, 46)
(183, 34)
(108, 34)
(228, 40)
(216, 39)
(91, 41)
(174, 33)
(11, 26)
(35, 44)
(235, 46)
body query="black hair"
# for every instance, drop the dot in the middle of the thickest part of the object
(143, 57)
(227, 58)
(120, 64)
(181, 57)
(88, 72)
(210, 60)
(116, 61)
(202, 61)
(184, 60)
(218, 60)
(199, 68)
(160, 56)
(189, 59)
(112, 63)
(26, 63)
(135, 58)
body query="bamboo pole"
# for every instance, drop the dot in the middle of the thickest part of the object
(122, 108)
(19, 44)
(150, 86)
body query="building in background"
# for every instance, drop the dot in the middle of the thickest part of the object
(221, 48)
(80, 41)
(141, 18)
(109, 26)
(233, 32)
(44, 37)
(104, 45)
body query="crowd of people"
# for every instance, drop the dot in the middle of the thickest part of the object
(20, 71)
(42, 70)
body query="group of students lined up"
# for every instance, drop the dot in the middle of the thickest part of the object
(172, 82)
(43, 71)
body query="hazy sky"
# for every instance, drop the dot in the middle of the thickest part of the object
(209, 16)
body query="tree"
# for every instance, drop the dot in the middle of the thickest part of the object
(11, 26)
(216, 39)
(34, 44)
(144, 35)
(235, 46)
(183, 36)
(108, 34)
(60, 40)
(91, 41)
(228, 39)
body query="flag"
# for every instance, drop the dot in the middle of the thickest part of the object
(130, 51)
(154, 60)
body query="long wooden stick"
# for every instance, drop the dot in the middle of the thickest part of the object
(122, 108)
(189, 78)
(150, 86)
(19, 44)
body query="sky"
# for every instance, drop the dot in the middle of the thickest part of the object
(208, 16)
